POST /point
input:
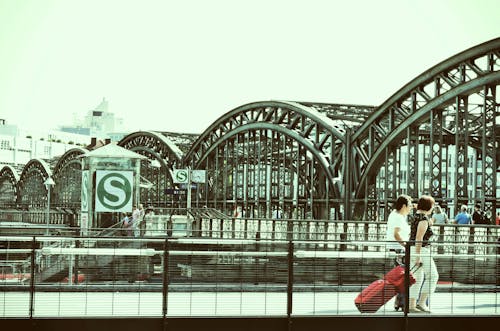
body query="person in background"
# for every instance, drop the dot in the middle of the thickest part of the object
(126, 224)
(277, 213)
(463, 216)
(148, 221)
(237, 212)
(398, 229)
(141, 221)
(478, 216)
(426, 275)
(439, 217)
(136, 216)
(497, 221)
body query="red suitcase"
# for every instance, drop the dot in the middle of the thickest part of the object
(375, 296)
(396, 276)
(380, 291)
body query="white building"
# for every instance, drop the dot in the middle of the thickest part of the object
(99, 122)
(18, 146)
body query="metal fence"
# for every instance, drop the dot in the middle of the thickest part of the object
(346, 233)
(177, 277)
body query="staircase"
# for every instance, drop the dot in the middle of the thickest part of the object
(56, 267)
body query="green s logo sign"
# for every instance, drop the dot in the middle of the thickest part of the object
(114, 191)
(181, 176)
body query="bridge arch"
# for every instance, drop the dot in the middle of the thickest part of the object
(32, 191)
(68, 179)
(163, 155)
(9, 179)
(321, 160)
(278, 151)
(451, 110)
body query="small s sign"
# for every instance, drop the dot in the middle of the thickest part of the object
(181, 176)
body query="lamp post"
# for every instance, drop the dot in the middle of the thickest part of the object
(49, 182)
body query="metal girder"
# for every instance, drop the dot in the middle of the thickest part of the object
(417, 118)
(452, 104)
(318, 156)
(260, 165)
(439, 79)
(157, 142)
(68, 179)
(168, 151)
(315, 127)
(310, 124)
(67, 157)
(32, 191)
(8, 186)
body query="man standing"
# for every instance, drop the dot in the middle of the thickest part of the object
(142, 221)
(398, 229)
(136, 217)
(463, 217)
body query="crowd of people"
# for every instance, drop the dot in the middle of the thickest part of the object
(463, 217)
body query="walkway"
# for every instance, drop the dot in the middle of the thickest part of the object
(149, 304)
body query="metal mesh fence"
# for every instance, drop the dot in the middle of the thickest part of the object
(185, 276)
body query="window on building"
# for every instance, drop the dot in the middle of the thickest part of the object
(5, 144)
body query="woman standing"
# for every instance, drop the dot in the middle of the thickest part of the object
(427, 275)
(439, 217)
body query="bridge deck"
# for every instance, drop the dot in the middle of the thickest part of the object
(142, 304)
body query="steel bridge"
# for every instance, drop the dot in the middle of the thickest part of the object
(439, 134)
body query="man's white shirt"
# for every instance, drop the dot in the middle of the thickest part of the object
(396, 220)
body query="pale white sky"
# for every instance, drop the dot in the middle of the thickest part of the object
(179, 65)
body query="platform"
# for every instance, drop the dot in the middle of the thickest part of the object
(182, 304)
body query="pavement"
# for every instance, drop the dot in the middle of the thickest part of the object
(205, 303)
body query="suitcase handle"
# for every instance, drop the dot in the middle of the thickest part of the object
(413, 269)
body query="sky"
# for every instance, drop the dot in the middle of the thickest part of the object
(171, 65)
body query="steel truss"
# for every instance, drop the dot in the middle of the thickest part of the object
(167, 149)
(317, 160)
(451, 110)
(32, 193)
(9, 179)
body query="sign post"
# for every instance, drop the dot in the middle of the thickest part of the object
(85, 200)
(183, 176)
(188, 176)
(188, 201)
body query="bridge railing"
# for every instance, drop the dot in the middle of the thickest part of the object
(167, 277)
(339, 234)
(342, 232)
(39, 216)
(271, 229)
